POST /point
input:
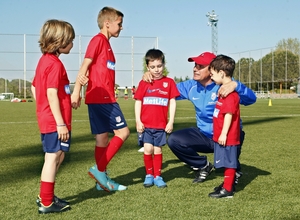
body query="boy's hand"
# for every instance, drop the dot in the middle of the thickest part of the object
(169, 128)
(222, 139)
(63, 133)
(140, 127)
(75, 101)
(147, 77)
(83, 80)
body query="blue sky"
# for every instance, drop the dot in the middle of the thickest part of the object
(244, 29)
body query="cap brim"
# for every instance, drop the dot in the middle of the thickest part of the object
(191, 59)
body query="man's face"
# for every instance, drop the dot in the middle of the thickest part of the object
(201, 74)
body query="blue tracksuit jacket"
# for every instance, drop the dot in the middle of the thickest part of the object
(204, 100)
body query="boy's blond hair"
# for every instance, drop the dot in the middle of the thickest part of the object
(108, 14)
(55, 34)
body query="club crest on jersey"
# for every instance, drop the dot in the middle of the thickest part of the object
(118, 119)
(213, 96)
(110, 65)
(165, 84)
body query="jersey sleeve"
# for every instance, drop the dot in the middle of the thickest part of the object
(231, 103)
(55, 72)
(139, 92)
(93, 47)
(173, 89)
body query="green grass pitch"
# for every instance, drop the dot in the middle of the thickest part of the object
(269, 188)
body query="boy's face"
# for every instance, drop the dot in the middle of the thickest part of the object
(67, 49)
(217, 77)
(115, 27)
(156, 68)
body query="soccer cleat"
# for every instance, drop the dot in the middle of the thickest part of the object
(53, 207)
(238, 175)
(115, 186)
(55, 199)
(159, 182)
(149, 180)
(223, 193)
(100, 177)
(219, 187)
(202, 174)
(141, 150)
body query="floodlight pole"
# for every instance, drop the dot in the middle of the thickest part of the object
(213, 21)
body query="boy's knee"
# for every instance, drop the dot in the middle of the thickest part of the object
(123, 133)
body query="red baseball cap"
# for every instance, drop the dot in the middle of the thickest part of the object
(203, 59)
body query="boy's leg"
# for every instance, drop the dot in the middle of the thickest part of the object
(148, 163)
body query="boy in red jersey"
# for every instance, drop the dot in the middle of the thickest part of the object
(50, 88)
(226, 126)
(104, 112)
(151, 113)
(133, 89)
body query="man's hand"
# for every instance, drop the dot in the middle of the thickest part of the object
(147, 77)
(226, 89)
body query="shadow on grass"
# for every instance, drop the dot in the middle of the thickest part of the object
(91, 193)
(250, 173)
(26, 162)
(264, 120)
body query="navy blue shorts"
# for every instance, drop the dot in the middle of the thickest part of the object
(51, 144)
(155, 137)
(105, 118)
(225, 156)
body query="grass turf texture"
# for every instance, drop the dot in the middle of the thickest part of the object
(269, 188)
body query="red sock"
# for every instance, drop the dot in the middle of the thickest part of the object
(157, 164)
(112, 148)
(229, 175)
(148, 162)
(46, 193)
(99, 151)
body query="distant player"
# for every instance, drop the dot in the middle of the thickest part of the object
(133, 90)
(126, 93)
(151, 115)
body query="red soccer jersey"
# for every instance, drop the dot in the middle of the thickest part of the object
(133, 90)
(155, 98)
(229, 104)
(101, 83)
(51, 73)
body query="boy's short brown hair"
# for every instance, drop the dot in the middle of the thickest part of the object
(224, 63)
(55, 34)
(108, 14)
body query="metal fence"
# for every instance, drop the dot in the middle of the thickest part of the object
(19, 54)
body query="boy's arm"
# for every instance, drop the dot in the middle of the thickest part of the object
(137, 111)
(172, 110)
(226, 124)
(62, 130)
(83, 71)
(33, 92)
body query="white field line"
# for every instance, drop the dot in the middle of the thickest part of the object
(177, 118)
